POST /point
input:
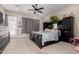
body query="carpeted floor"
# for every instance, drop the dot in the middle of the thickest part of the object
(22, 45)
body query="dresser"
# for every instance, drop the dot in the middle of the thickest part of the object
(4, 38)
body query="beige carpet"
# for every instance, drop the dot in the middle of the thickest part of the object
(22, 45)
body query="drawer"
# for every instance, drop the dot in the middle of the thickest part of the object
(3, 37)
(3, 42)
(3, 46)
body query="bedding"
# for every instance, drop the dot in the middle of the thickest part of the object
(47, 36)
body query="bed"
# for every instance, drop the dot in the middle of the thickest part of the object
(44, 38)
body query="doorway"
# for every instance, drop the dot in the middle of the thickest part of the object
(12, 23)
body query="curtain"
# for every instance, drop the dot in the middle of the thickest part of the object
(29, 25)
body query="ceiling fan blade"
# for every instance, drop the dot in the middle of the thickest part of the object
(41, 8)
(36, 9)
(36, 5)
(35, 12)
(39, 11)
(33, 6)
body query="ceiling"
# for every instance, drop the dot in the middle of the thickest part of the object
(23, 8)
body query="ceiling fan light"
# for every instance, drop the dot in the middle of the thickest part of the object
(16, 6)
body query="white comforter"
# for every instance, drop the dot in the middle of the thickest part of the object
(48, 36)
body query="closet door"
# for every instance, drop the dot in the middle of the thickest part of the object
(29, 25)
(36, 25)
(26, 25)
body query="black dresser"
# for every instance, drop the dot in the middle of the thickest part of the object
(4, 40)
(4, 37)
(4, 34)
(66, 26)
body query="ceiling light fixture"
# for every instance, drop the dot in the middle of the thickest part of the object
(16, 6)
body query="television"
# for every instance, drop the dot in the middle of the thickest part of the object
(1, 18)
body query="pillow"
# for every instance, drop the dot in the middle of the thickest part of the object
(50, 30)
(47, 29)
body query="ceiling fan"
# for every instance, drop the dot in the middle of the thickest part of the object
(36, 9)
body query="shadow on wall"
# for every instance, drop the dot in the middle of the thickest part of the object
(76, 27)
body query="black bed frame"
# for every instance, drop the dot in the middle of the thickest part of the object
(37, 39)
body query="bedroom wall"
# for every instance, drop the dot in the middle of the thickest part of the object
(19, 18)
(3, 11)
(67, 11)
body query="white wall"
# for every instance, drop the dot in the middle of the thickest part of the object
(19, 18)
(67, 11)
(3, 11)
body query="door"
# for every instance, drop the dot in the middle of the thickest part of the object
(35, 25)
(12, 23)
(26, 25)
(29, 25)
